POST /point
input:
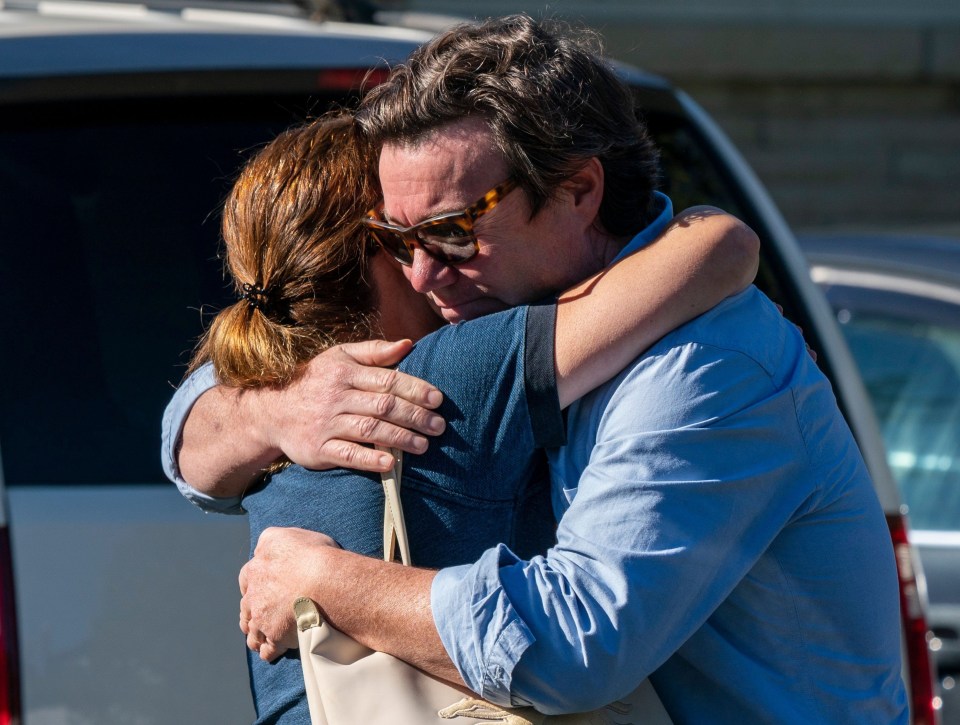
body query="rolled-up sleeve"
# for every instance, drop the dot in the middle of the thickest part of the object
(471, 600)
(197, 383)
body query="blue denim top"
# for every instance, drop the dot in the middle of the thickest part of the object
(484, 481)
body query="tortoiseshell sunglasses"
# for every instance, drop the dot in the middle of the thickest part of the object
(448, 237)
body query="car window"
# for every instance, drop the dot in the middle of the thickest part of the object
(109, 218)
(687, 171)
(908, 350)
(109, 224)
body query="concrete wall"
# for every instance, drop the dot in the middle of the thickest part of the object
(848, 110)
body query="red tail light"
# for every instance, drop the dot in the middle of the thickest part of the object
(924, 703)
(9, 653)
(351, 79)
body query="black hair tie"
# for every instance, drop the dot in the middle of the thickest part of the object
(257, 297)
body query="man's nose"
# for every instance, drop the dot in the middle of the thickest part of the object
(427, 274)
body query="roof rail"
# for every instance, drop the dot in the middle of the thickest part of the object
(289, 8)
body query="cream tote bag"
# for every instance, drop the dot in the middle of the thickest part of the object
(348, 684)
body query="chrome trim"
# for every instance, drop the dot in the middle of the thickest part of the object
(822, 274)
(943, 539)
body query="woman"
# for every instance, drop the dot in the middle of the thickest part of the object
(309, 277)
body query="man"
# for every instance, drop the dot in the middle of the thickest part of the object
(717, 528)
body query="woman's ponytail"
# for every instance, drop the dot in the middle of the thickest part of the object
(297, 255)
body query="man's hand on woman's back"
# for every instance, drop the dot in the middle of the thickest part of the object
(344, 399)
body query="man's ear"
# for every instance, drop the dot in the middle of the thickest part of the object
(585, 187)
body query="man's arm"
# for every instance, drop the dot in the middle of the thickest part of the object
(320, 420)
(648, 548)
(383, 605)
(692, 468)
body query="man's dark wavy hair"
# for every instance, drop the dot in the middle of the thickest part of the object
(550, 100)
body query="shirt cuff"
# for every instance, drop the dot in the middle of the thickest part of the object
(482, 633)
(199, 381)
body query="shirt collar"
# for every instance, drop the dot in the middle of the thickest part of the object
(653, 230)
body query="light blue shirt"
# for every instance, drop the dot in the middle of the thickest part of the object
(197, 383)
(718, 533)
(664, 209)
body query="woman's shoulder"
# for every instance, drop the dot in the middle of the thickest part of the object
(493, 335)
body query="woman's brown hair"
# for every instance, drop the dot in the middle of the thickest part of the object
(297, 255)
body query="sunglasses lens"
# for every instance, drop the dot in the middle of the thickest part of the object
(449, 242)
(393, 244)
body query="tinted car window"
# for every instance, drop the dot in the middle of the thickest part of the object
(687, 172)
(908, 351)
(109, 221)
(109, 218)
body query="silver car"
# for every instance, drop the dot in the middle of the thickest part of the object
(897, 299)
(121, 128)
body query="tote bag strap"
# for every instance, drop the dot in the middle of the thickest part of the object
(394, 527)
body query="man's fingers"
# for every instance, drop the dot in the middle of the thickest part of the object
(242, 581)
(386, 380)
(396, 411)
(387, 433)
(269, 651)
(379, 353)
(347, 454)
(377, 419)
(339, 401)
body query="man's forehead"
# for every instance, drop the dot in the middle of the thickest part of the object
(444, 171)
(457, 146)
(469, 131)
